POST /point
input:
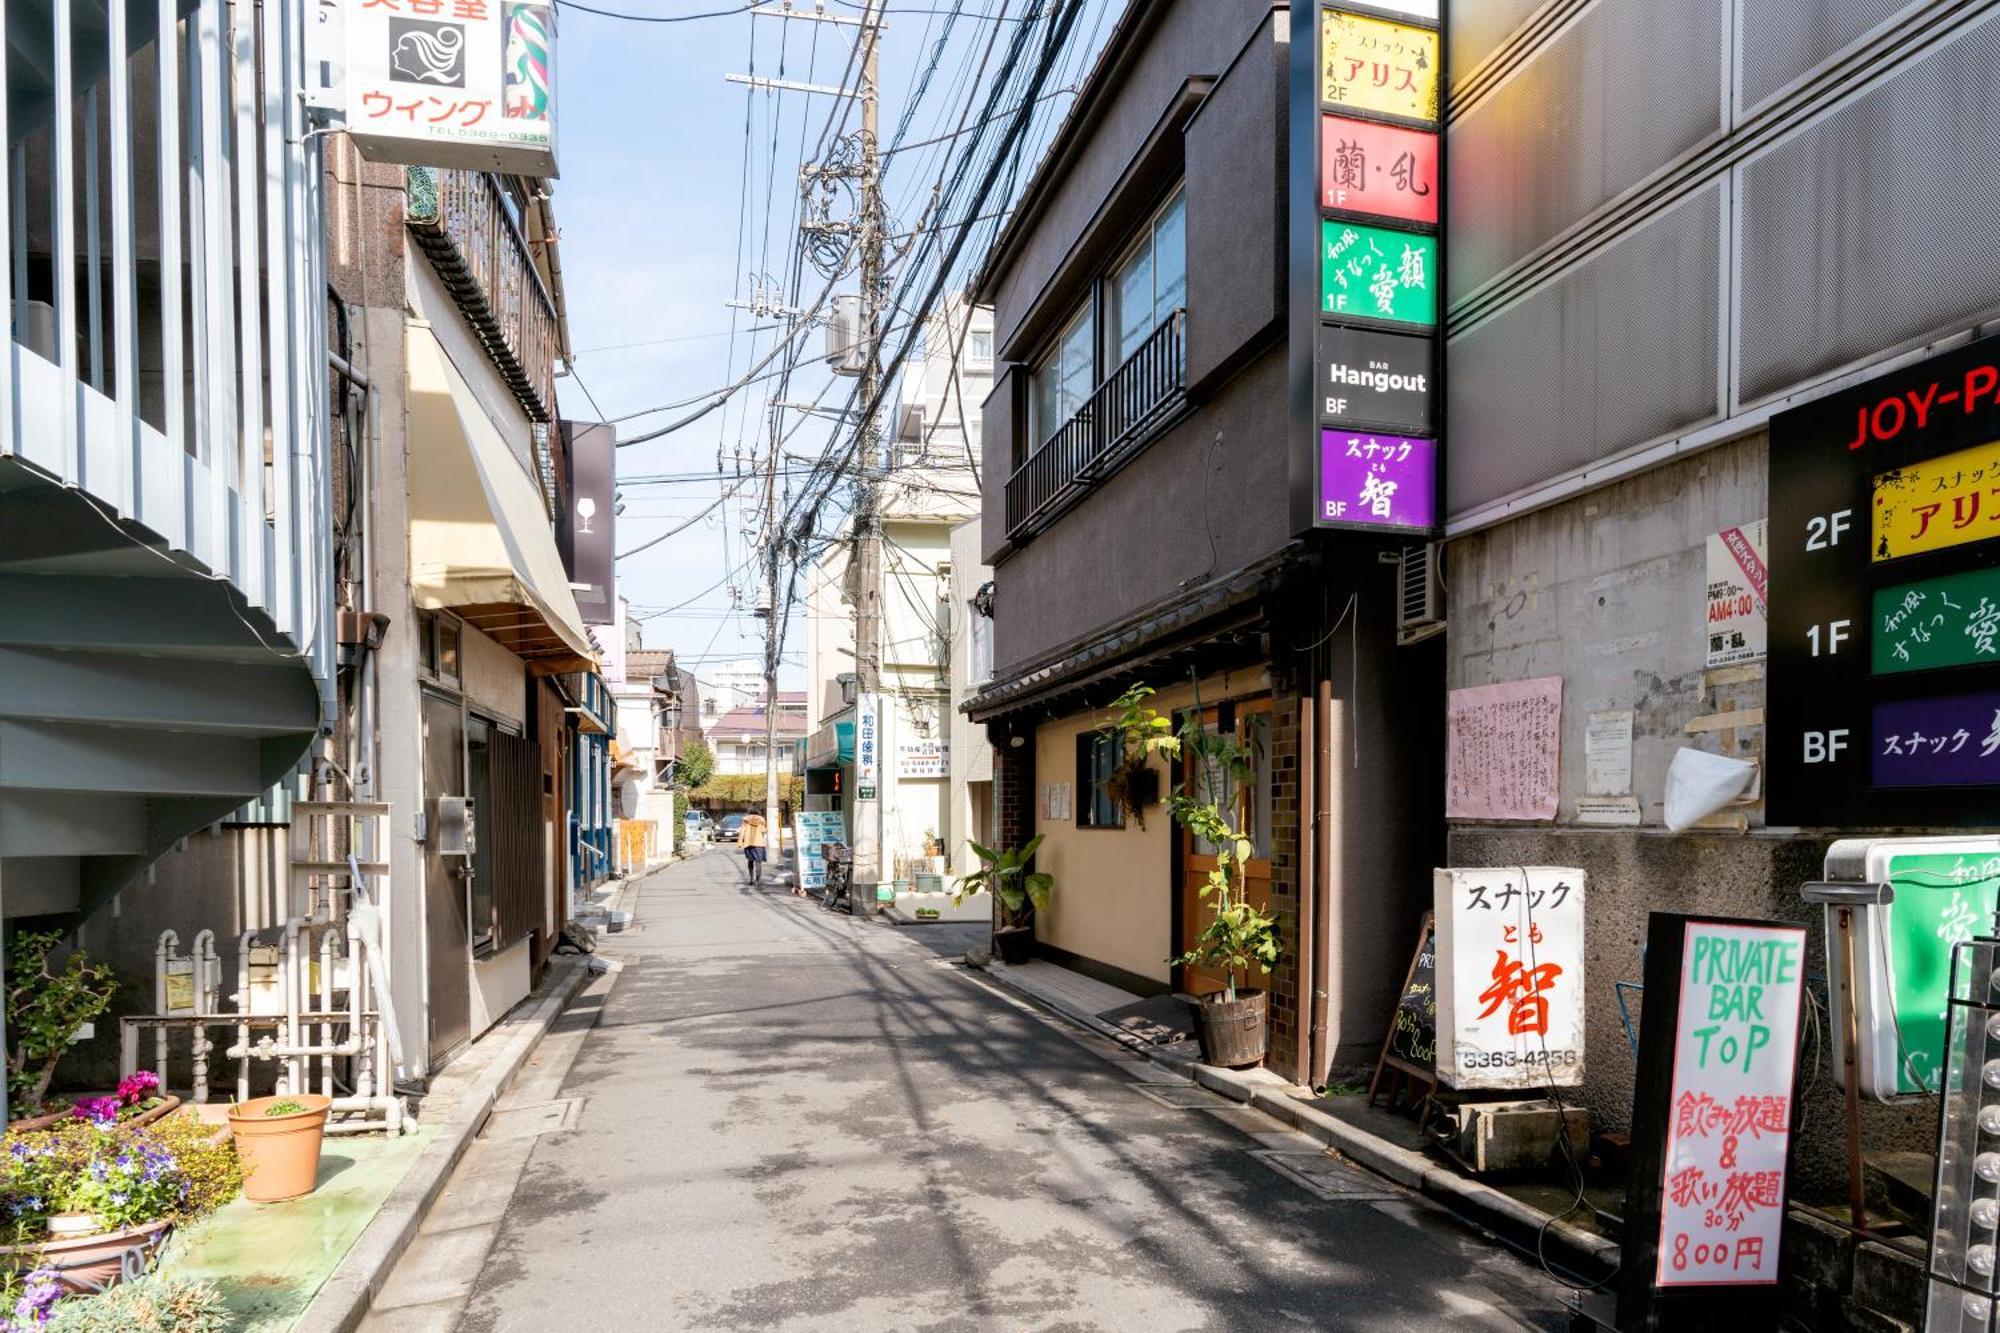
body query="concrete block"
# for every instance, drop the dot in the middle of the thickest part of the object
(1517, 1136)
(1861, 1319)
(1819, 1269)
(1889, 1280)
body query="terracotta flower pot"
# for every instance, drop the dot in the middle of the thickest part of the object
(91, 1263)
(280, 1152)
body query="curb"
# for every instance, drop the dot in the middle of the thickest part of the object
(343, 1300)
(1280, 1099)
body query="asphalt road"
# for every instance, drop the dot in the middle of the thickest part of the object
(781, 1119)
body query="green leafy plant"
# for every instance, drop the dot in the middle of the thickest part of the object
(153, 1304)
(207, 1158)
(1238, 937)
(1005, 874)
(46, 1007)
(284, 1108)
(1140, 732)
(178, 1168)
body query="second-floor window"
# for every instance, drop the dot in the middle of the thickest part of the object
(1149, 283)
(1065, 376)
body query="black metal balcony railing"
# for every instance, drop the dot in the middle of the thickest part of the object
(1142, 393)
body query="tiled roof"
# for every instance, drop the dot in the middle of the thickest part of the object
(738, 722)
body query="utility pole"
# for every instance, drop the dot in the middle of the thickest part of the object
(869, 230)
(867, 559)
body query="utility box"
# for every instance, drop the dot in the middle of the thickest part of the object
(846, 338)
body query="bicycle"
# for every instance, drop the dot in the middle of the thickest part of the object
(839, 890)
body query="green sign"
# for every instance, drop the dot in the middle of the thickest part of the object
(1944, 622)
(1941, 900)
(1377, 272)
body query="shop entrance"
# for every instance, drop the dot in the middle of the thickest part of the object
(1247, 798)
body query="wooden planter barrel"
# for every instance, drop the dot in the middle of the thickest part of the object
(1232, 1032)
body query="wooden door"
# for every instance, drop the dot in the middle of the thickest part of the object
(1249, 807)
(447, 931)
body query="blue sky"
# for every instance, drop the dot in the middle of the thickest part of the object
(652, 209)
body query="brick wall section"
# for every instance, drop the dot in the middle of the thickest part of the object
(1014, 786)
(1288, 1009)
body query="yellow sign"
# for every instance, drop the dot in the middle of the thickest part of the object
(180, 992)
(1938, 503)
(1370, 64)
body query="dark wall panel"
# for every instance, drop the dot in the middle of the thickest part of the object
(1620, 349)
(999, 423)
(1875, 225)
(1627, 88)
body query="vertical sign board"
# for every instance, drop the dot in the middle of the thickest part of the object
(1510, 997)
(453, 83)
(1884, 623)
(867, 746)
(811, 831)
(1366, 215)
(1713, 1112)
(585, 531)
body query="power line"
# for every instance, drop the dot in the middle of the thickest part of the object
(656, 18)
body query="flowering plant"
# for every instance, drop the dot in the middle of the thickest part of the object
(99, 1111)
(122, 1177)
(139, 1087)
(30, 1301)
(127, 1180)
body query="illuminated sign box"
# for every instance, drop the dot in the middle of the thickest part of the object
(1377, 273)
(1371, 64)
(1387, 481)
(1384, 171)
(1371, 378)
(453, 83)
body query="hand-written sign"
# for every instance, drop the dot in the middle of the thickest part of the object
(1412, 1039)
(1503, 749)
(1946, 622)
(1510, 967)
(1371, 64)
(1739, 584)
(1729, 1116)
(1377, 273)
(1937, 504)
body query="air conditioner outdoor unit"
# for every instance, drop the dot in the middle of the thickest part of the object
(1419, 594)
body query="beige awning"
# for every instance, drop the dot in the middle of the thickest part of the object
(480, 540)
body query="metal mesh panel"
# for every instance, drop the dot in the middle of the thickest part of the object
(1630, 86)
(1617, 351)
(1477, 26)
(1782, 39)
(1875, 225)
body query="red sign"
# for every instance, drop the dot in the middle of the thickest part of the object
(1381, 170)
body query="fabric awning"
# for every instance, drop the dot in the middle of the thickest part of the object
(480, 540)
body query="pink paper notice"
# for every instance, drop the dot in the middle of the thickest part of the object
(1503, 750)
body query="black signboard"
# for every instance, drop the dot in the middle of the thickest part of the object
(584, 530)
(1411, 1045)
(1883, 702)
(1372, 379)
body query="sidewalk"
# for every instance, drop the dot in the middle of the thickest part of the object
(1346, 1124)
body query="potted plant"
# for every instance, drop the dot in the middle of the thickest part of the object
(1005, 874)
(1140, 732)
(279, 1139)
(46, 1007)
(95, 1204)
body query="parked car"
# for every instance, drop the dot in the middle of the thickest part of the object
(730, 829)
(698, 823)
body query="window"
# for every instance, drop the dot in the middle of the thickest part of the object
(1150, 283)
(981, 665)
(1064, 378)
(1097, 757)
(981, 350)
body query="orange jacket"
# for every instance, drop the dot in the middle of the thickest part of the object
(753, 831)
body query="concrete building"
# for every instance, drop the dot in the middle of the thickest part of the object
(1138, 522)
(730, 686)
(740, 737)
(971, 816)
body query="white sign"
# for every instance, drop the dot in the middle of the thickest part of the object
(1729, 1120)
(811, 831)
(1739, 585)
(1510, 977)
(867, 746)
(923, 759)
(453, 83)
(1607, 752)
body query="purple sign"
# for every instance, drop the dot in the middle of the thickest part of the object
(1949, 742)
(1386, 481)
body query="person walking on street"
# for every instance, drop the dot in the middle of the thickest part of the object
(754, 851)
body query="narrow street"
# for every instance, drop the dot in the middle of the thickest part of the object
(788, 1119)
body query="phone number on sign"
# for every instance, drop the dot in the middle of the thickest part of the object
(1509, 1059)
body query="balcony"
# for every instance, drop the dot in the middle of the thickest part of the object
(166, 648)
(474, 241)
(1114, 423)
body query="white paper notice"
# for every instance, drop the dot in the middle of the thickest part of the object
(1739, 583)
(1729, 1118)
(1503, 750)
(1607, 752)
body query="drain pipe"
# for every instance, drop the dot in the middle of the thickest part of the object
(1305, 1045)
